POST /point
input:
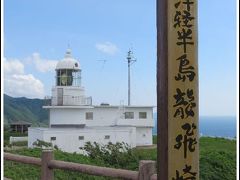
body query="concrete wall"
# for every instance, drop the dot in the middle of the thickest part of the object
(67, 116)
(69, 90)
(143, 136)
(68, 139)
(17, 139)
(108, 116)
(33, 135)
(71, 95)
(102, 116)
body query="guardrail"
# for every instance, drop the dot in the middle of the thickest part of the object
(147, 168)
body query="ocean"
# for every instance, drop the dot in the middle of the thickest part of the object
(224, 126)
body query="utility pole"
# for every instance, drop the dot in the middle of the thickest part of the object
(130, 61)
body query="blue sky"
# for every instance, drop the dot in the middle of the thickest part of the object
(37, 33)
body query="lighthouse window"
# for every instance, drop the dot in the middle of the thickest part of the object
(142, 115)
(129, 115)
(64, 77)
(89, 115)
(76, 78)
(68, 77)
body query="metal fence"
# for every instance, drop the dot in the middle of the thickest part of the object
(67, 100)
(147, 168)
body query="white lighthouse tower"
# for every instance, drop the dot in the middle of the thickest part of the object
(68, 96)
(73, 120)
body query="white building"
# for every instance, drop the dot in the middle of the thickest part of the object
(74, 120)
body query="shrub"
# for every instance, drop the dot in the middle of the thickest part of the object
(6, 143)
(56, 147)
(217, 165)
(42, 144)
(117, 155)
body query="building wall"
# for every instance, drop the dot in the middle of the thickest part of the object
(109, 116)
(68, 140)
(71, 95)
(143, 136)
(33, 135)
(69, 91)
(102, 116)
(67, 116)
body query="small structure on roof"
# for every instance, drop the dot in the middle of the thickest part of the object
(20, 126)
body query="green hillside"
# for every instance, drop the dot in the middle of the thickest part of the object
(24, 109)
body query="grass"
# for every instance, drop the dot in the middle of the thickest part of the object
(217, 161)
(20, 143)
(217, 144)
(217, 158)
(17, 171)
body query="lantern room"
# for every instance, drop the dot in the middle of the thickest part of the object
(68, 72)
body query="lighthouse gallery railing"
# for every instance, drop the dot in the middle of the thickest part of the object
(67, 100)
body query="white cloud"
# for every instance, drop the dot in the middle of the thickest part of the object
(17, 83)
(13, 66)
(42, 65)
(107, 47)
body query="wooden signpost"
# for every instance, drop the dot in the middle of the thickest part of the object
(177, 90)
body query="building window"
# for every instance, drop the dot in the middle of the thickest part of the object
(142, 115)
(129, 115)
(53, 138)
(81, 137)
(89, 115)
(107, 137)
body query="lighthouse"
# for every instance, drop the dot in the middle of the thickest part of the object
(68, 95)
(74, 120)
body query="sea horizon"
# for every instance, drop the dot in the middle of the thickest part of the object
(213, 126)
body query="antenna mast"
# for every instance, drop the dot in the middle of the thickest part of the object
(130, 61)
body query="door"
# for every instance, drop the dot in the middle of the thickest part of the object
(60, 96)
